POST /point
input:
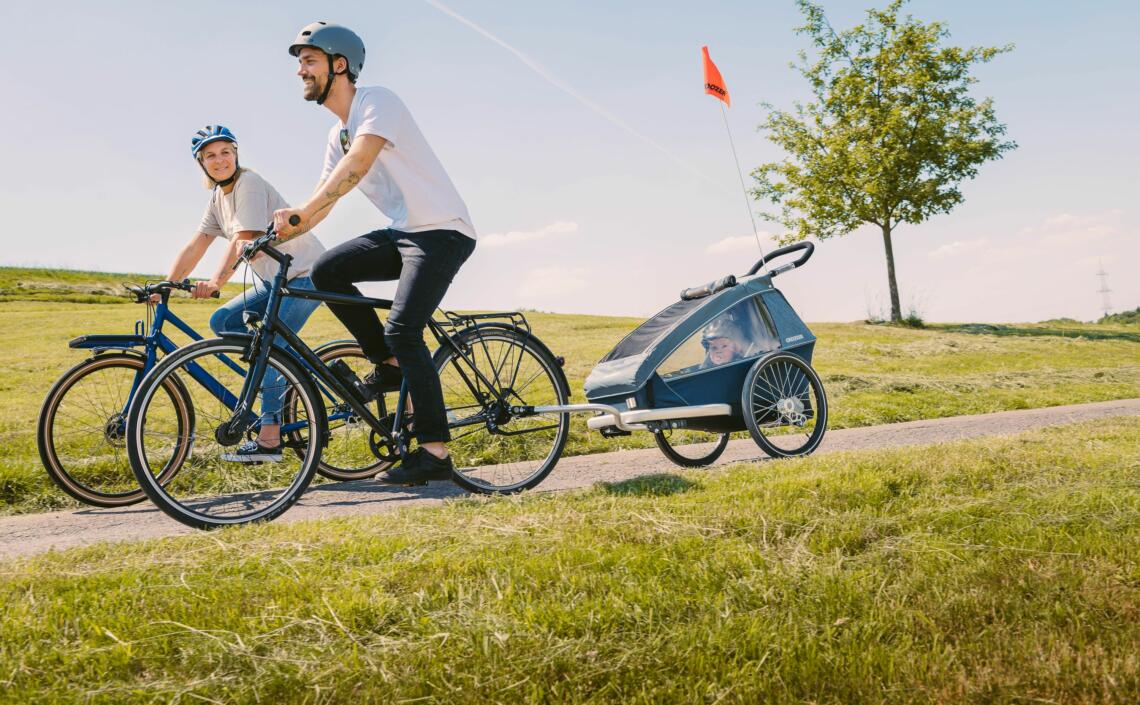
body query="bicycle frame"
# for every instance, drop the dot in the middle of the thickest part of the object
(154, 341)
(269, 327)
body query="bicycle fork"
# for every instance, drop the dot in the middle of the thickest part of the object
(231, 431)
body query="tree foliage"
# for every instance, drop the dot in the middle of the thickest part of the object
(890, 134)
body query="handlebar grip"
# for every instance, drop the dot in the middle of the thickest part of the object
(699, 292)
(216, 295)
(294, 220)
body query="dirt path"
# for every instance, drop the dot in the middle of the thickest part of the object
(36, 533)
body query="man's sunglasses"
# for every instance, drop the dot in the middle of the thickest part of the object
(344, 140)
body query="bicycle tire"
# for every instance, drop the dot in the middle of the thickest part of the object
(78, 463)
(210, 495)
(782, 396)
(699, 455)
(530, 451)
(348, 438)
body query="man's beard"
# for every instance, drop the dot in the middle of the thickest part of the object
(312, 90)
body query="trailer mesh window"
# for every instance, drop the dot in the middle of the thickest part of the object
(649, 332)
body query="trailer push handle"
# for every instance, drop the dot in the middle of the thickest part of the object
(780, 252)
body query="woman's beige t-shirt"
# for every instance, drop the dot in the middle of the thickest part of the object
(250, 206)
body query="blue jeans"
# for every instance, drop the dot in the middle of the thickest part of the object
(293, 314)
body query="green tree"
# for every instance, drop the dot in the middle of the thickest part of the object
(891, 133)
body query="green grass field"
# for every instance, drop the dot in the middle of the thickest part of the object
(1002, 570)
(873, 374)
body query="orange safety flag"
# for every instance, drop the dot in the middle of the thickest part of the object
(714, 84)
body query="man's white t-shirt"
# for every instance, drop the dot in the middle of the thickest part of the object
(406, 182)
(249, 206)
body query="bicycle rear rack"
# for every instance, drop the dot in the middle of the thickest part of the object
(464, 320)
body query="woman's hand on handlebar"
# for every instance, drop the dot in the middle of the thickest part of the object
(204, 290)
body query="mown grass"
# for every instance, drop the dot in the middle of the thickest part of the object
(873, 374)
(994, 571)
(74, 286)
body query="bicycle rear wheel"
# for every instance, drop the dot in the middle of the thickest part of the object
(495, 452)
(82, 428)
(210, 490)
(347, 453)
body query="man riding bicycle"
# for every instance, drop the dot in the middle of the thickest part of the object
(377, 147)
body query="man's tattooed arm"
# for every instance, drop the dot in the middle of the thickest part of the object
(345, 177)
(332, 192)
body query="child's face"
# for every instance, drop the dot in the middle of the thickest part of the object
(722, 350)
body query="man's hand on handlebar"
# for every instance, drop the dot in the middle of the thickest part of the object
(289, 222)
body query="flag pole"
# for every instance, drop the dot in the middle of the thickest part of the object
(743, 188)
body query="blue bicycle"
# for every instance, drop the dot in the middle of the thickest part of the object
(81, 431)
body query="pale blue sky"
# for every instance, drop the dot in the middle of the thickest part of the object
(101, 99)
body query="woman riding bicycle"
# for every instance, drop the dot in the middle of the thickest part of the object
(241, 206)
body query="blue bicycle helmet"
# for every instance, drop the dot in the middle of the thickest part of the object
(203, 137)
(208, 134)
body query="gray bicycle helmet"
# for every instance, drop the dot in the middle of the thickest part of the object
(334, 40)
(722, 327)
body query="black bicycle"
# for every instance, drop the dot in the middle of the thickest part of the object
(491, 367)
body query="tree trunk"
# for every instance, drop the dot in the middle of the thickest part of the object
(896, 310)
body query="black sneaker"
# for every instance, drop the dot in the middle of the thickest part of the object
(254, 452)
(383, 378)
(418, 468)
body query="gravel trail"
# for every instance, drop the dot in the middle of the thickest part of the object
(35, 533)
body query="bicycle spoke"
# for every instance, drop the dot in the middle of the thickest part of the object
(497, 453)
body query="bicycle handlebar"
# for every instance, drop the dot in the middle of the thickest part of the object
(261, 245)
(144, 292)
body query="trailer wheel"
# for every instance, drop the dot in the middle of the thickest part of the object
(784, 405)
(691, 449)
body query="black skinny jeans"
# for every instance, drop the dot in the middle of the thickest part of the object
(425, 263)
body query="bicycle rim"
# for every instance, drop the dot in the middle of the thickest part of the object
(212, 489)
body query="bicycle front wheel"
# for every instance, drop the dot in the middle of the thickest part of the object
(82, 430)
(494, 451)
(213, 488)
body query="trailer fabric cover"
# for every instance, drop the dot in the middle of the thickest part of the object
(630, 364)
